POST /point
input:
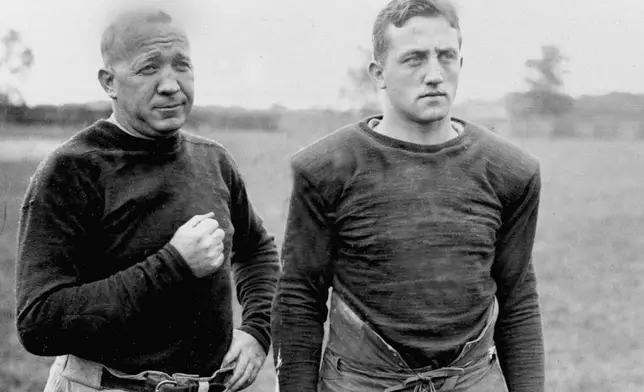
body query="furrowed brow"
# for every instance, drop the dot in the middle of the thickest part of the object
(414, 52)
(146, 58)
(182, 56)
(447, 49)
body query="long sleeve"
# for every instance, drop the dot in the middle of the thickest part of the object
(518, 334)
(57, 311)
(300, 307)
(255, 264)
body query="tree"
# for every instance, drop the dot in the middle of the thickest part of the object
(363, 93)
(15, 61)
(549, 71)
(545, 98)
(546, 89)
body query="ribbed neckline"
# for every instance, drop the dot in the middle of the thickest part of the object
(460, 141)
(127, 142)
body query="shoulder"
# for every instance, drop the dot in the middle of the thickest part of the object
(333, 154)
(215, 156)
(201, 142)
(70, 165)
(505, 159)
(74, 153)
(215, 151)
(330, 163)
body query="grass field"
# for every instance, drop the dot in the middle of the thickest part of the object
(588, 253)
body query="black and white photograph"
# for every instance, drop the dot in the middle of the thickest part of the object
(321, 196)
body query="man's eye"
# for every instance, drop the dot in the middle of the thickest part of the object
(183, 66)
(448, 56)
(413, 60)
(148, 69)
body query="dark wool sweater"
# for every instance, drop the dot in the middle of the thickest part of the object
(96, 275)
(421, 238)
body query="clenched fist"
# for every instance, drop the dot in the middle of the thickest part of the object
(200, 242)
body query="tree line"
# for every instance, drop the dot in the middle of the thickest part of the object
(544, 109)
(16, 60)
(81, 115)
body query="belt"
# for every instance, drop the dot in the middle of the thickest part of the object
(161, 382)
(424, 382)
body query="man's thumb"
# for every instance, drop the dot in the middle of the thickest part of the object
(231, 355)
(195, 220)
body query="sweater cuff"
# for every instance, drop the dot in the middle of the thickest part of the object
(262, 338)
(175, 261)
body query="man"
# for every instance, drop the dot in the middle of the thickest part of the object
(129, 232)
(423, 225)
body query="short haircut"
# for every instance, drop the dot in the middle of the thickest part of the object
(124, 22)
(398, 12)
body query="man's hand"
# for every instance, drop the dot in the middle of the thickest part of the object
(200, 242)
(248, 356)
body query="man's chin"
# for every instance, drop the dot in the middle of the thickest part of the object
(432, 116)
(168, 125)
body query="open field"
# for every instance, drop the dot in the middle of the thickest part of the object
(588, 253)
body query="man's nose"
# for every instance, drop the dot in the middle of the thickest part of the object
(168, 84)
(433, 72)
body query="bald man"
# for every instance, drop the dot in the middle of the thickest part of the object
(129, 233)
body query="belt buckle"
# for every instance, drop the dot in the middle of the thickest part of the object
(160, 384)
(186, 380)
(427, 387)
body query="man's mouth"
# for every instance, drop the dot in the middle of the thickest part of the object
(433, 94)
(168, 107)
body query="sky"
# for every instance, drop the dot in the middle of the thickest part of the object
(295, 53)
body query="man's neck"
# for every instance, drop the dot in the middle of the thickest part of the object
(130, 132)
(436, 132)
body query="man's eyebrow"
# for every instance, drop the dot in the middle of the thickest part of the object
(415, 52)
(447, 49)
(146, 57)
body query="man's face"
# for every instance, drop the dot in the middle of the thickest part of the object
(153, 79)
(422, 67)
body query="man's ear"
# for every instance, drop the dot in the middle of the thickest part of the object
(106, 78)
(376, 71)
(461, 62)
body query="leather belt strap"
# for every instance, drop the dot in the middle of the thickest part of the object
(158, 382)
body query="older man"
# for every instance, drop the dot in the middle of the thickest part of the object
(129, 232)
(423, 225)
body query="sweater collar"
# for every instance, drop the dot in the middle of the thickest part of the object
(113, 120)
(128, 141)
(459, 125)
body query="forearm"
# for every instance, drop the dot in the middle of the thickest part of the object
(256, 277)
(298, 333)
(68, 314)
(519, 341)
(255, 261)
